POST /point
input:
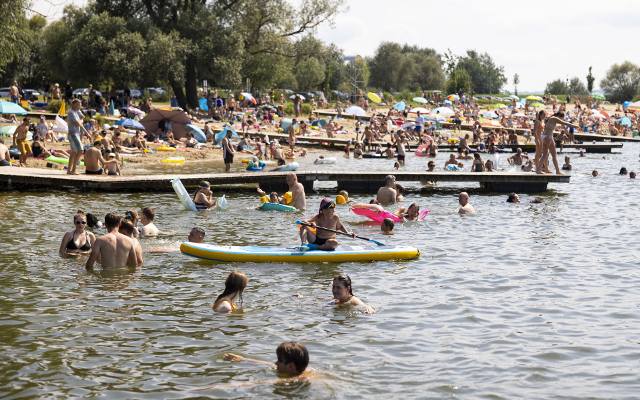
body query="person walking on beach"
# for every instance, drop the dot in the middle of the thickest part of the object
(74, 121)
(227, 151)
(20, 140)
(113, 250)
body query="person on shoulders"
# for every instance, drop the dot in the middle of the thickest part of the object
(343, 295)
(79, 240)
(234, 285)
(465, 206)
(321, 239)
(148, 227)
(113, 250)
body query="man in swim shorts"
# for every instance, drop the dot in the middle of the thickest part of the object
(20, 140)
(93, 160)
(227, 151)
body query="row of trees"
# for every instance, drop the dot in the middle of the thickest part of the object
(621, 83)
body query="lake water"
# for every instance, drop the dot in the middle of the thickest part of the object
(522, 300)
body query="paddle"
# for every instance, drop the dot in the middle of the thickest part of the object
(340, 232)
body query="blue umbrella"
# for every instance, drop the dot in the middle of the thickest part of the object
(197, 133)
(626, 104)
(625, 121)
(112, 108)
(202, 104)
(319, 122)
(130, 124)
(400, 106)
(6, 107)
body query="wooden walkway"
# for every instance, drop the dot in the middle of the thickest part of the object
(12, 178)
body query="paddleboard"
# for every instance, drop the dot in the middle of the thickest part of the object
(259, 254)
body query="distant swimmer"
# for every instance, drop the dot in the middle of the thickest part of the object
(465, 206)
(234, 285)
(513, 198)
(79, 240)
(567, 164)
(148, 227)
(113, 250)
(292, 360)
(196, 235)
(343, 294)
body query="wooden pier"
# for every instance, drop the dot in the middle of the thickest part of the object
(12, 178)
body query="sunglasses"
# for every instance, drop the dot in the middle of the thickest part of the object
(80, 222)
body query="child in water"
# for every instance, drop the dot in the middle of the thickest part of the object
(292, 360)
(387, 226)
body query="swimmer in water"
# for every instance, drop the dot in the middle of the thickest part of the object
(233, 287)
(567, 164)
(387, 226)
(196, 235)
(79, 240)
(148, 227)
(410, 213)
(343, 294)
(594, 173)
(292, 360)
(513, 198)
(465, 206)
(203, 199)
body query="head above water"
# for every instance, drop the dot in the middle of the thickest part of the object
(196, 235)
(387, 225)
(513, 198)
(293, 358)
(235, 284)
(463, 198)
(389, 180)
(341, 287)
(112, 221)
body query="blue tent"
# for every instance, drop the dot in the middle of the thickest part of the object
(197, 133)
(400, 106)
(220, 135)
(202, 104)
(130, 124)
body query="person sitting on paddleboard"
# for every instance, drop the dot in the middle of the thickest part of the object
(321, 239)
(203, 199)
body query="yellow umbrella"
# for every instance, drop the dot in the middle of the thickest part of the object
(537, 105)
(534, 98)
(374, 97)
(62, 111)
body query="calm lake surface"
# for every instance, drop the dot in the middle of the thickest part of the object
(525, 300)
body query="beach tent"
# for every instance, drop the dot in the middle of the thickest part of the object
(177, 118)
(202, 104)
(400, 106)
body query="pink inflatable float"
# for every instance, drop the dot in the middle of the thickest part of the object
(377, 213)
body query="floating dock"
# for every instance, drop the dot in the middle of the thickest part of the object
(12, 178)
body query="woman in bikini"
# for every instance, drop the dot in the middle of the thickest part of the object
(548, 143)
(79, 240)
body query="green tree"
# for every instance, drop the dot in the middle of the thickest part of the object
(396, 67)
(357, 73)
(556, 87)
(577, 88)
(590, 80)
(309, 73)
(459, 81)
(14, 23)
(486, 76)
(622, 82)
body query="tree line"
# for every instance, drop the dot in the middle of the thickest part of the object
(236, 44)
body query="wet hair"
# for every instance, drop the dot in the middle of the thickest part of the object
(623, 171)
(512, 198)
(632, 175)
(198, 230)
(388, 222)
(126, 227)
(296, 353)
(111, 221)
(149, 213)
(132, 215)
(344, 279)
(92, 220)
(235, 283)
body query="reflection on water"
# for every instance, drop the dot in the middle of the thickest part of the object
(519, 301)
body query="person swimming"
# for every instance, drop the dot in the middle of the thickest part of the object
(234, 285)
(292, 359)
(79, 240)
(343, 294)
(387, 226)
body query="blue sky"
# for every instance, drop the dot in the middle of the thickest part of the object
(540, 40)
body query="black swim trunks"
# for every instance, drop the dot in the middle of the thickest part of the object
(98, 172)
(320, 241)
(228, 158)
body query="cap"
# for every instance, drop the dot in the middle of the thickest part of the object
(327, 203)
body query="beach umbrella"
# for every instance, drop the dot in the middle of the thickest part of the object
(496, 106)
(246, 96)
(444, 111)
(7, 107)
(447, 102)
(537, 105)
(634, 106)
(177, 118)
(420, 100)
(268, 107)
(420, 110)
(453, 97)
(130, 124)
(625, 121)
(220, 135)
(400, 106)
(355, 110)
(60, 126)
(197, 133)
(374, 97)
(436, 118)
(7, 130)
(534, 98)
(598, 96)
